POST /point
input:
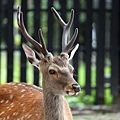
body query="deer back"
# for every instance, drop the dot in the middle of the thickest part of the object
(20, 101)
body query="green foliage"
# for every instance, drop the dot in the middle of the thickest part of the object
(17, 39)
(82, 99)
(108, 97)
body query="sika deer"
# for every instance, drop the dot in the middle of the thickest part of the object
(21, 101)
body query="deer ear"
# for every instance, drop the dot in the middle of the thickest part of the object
(31, 56)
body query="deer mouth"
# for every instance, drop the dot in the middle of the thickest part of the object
(71, 93)
(74, 90)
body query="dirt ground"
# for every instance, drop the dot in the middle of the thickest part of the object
(97, 113)
(98, 116)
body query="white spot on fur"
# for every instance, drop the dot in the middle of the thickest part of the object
(10, 91)
(22, 118)
(7, 101)
(23, 90)
(12, 103)
(13, 83)
(36, 114)
(2, 113)
(18, 119)
(2, 101)
(15, 88)
(11, 96)
(34, 101)
(22, 95)
(26, 115)
(9, 109)
(19, 84)
(15, 113)
(22, 104)
(23, 85)
(30, 115)
(8, 117)
(24, 109)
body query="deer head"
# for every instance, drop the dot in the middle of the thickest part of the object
(56, 71)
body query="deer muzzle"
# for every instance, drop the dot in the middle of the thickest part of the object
(73, 89)
(76, 87)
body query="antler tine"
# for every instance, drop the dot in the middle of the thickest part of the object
(58, 17)
(71, 42)
(26, 35)
(44, 49)
(66, 28)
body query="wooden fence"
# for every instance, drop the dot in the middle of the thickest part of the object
(96, 63)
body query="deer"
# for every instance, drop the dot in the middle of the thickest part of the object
(23, 101)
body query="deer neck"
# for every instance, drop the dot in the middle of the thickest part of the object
(53, 105)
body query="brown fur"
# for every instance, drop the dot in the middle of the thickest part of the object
(13, 105)
(28, 102)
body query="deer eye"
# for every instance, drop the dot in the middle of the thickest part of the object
(52, 72)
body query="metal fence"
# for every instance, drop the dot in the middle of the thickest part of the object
(96, 63)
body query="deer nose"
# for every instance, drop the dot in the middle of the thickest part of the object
(76, 87)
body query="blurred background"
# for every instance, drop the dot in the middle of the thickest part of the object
(96, 62)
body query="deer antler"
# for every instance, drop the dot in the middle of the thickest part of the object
(66, 47)
(41, 47)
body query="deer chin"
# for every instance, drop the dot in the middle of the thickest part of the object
(71, 93)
